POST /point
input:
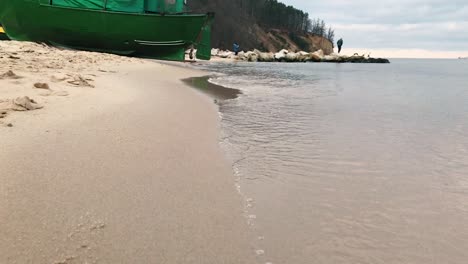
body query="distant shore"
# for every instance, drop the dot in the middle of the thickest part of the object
(111, 160)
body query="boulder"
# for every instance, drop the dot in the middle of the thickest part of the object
(240, 56)
(303, 56)
(319, 53)
(291, 57)
(225, 54)
(251, 56)
(356, 59)
(280, 56)
(334, 58)
(316, 56)
(214, 52)
(266, 57)
(377, 60)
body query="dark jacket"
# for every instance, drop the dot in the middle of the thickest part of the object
(340, 42)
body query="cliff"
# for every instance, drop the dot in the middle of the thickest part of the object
(274, 40)
(233, 24)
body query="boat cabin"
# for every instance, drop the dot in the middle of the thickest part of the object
(127, 6)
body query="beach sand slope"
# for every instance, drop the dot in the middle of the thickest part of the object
(127, 172)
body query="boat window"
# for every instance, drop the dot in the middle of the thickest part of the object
(153, 6)
(131, 6)
(88, 4)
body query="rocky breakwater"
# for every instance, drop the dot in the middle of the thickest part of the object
(289, 56)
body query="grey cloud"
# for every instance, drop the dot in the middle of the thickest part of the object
(406, 24)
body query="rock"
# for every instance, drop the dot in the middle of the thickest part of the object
(9, 125)
(42, 86)
(335, 58)
(319, 53)
(291, 57)
(329, 58)
(303, 56)
(214, 52)
(251, 56)
(24, 104)
(225, 54)
(240, 56)
(316, 56)
(9, 75)
(356, 58)
(377, 60)
(280, 56)
(265, 56)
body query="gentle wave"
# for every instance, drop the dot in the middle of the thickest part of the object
(351, 163)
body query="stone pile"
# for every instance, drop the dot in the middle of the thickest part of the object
(289, 56)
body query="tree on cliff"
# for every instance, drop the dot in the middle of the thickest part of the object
(331, 36)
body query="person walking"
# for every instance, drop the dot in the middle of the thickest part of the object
(236, 48)
(339, 43)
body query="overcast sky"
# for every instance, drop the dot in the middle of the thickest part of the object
(396, 28)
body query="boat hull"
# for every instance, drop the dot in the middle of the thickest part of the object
(146, 35)
(3, 36)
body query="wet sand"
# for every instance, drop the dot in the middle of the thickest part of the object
(216, 91)
(129, 171)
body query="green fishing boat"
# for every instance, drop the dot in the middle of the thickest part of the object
(146, 28)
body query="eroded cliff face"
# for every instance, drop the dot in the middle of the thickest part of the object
(275, 40)
(234, 25)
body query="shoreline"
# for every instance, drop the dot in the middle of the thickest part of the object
(129, 171)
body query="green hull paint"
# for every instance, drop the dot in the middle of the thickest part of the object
(3, 36)
(136, 34)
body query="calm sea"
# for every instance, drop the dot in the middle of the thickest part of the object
(351, 163)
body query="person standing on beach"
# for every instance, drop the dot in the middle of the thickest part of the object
(339, 43)
(236, 48)
(191, 52)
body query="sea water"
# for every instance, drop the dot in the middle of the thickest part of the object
(350, 163)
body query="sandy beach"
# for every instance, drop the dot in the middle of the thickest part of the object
(108, 159)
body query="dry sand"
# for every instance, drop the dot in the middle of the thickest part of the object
(129, 171)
